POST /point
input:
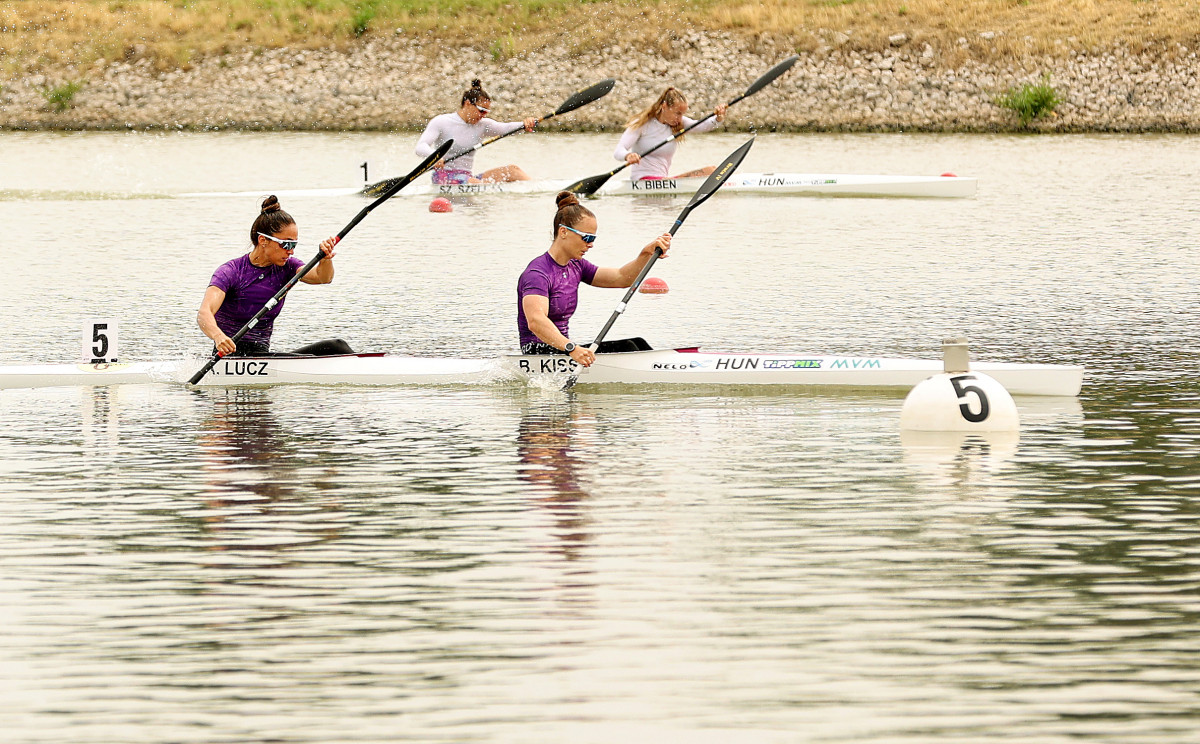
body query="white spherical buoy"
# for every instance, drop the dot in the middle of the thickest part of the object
(959, 401)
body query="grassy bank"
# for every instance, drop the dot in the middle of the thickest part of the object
(174, 33)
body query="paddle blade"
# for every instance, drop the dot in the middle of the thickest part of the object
(585, 96)
(376, 189)
(771, 74)
(718, 177)
(588, 186)
(387, 188)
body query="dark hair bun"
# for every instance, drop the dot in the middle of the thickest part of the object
(271, 204)
(566, 199)
(477, 83)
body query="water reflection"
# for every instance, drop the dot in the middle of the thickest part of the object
(958, 458)
(100, 420)
(547, 445)
(253, 466)
(241, 431)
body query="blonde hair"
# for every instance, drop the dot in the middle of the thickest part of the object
(669, 97)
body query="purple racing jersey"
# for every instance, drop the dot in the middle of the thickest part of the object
(247, 288)
(560, 284)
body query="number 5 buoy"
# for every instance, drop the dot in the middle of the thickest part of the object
(959, 399)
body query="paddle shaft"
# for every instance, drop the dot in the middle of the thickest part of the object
(578, 99)
(636, 283)
(714, 181)
(596, 182)
(490, 140)
(271, 303)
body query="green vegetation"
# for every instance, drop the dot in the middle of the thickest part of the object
(60, 97)
(503, 47)
(360, 22)
(1030, 101)
(173, 33)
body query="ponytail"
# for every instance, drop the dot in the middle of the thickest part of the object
(270, 220)
(475, 93)
(570, 211)
(669, 97)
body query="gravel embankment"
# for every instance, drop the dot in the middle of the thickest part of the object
(396, 83)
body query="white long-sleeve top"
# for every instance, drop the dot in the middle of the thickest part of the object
(451, 126)
(657, 163)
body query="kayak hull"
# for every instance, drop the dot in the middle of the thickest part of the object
(693, 367)
(656, 367)
(349, 369)
(806, 184)
(810, 184)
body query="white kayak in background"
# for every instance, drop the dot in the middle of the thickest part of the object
(655, 367)
(803, 184)
(810, 184)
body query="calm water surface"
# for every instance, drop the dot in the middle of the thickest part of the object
(510, 564)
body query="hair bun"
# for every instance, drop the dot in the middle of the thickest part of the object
(566, 199)
(477, 83)
(271, 204)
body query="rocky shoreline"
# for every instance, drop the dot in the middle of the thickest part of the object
(393, 82)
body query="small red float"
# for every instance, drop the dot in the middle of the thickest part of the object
(441, 204)
(948, 174)
(653, 285)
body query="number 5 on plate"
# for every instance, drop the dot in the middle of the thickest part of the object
(100, 341)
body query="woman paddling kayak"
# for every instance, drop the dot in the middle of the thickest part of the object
(468, 127)
(240, 287)
(548, 289)
(663, 118)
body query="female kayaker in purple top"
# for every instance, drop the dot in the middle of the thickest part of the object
(242, 286)
(548, 289)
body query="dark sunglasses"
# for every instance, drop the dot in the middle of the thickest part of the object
(287, 245)
(588, 238)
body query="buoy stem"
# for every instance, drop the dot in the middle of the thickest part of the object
(956, 355)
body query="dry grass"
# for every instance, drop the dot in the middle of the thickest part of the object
(37, 33)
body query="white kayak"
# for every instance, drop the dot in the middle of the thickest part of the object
(812, 184)
(347, 369)
(655, 367)
(808, 184)
(695, 367)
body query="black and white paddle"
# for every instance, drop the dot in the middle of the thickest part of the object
(588, 186)
(715, 180)
(398, 184)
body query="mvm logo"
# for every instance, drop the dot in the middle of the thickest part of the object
(854, 364)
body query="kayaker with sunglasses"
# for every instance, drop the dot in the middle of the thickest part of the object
(240, 287)
(548, 289)
(468, 127)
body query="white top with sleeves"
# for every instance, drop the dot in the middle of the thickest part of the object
(657, 163)
(451, 126)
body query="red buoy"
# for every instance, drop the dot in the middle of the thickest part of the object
(948, 174)
(653, 285)
(441, 204)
